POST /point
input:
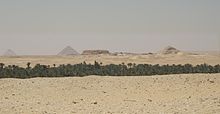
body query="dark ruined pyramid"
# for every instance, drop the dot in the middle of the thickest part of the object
(169, 50)
(68, 51)
(9, 52)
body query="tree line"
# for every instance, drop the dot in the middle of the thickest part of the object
(84, 69)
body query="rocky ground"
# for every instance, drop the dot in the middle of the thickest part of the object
(168, 94)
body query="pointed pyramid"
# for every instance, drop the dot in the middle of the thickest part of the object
(169, 50)
(9, 52)
(68, 51)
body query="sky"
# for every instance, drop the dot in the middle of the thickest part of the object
(45, 27)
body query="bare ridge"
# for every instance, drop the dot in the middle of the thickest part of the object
(95, 52)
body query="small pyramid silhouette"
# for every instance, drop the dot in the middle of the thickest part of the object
(9, 52)
(170, 50)
(68, 51)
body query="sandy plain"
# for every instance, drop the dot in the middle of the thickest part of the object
(167, 94)
(193, 59)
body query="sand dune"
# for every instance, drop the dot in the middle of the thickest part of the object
(171, 94)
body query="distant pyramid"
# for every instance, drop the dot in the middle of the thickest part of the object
(169, 50)
(68, 51)
(9, 52)
(95, 52)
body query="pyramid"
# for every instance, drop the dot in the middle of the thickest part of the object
(169, 50)
(95, 52)
(9, 52)
(68, 51)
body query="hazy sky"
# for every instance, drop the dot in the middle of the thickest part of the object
(47, 26)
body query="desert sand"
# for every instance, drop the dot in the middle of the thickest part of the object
(168, 55)
(168, 94)
(194, 59)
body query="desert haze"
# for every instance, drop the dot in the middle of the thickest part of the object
(107, 57)
(167, 55)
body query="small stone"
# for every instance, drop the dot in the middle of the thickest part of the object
(149, 100)
(211, 81)
(74, 102)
